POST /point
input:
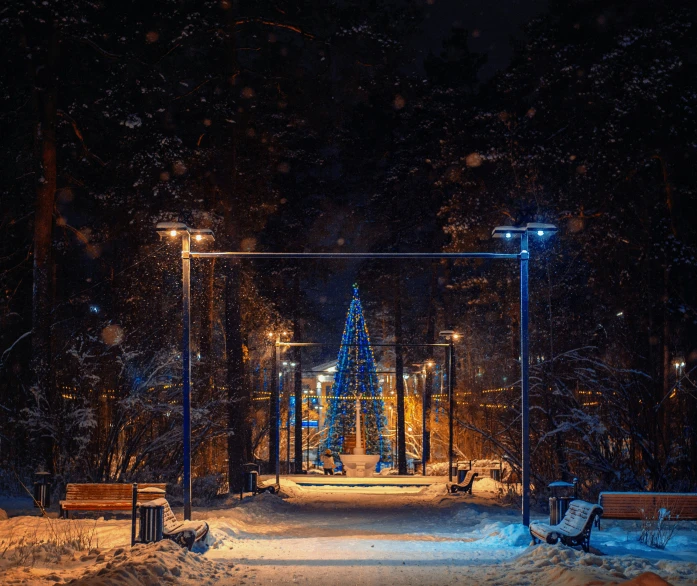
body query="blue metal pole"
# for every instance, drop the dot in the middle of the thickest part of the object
(424, 426)
(524, 375)
(186, 370)
(451, 408)
(277, 415)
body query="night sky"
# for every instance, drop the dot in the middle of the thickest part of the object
(491, 24)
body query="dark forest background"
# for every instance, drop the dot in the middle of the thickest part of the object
(305, 125)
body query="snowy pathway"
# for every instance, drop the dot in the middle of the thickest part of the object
(342, 536)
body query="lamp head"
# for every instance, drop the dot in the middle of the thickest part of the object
(449, 335)
(202, 235)
(171, 229)
(542, 231)
(533, 229)
(507, 232)
(174, 229)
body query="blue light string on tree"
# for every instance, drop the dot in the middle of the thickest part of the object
(356, 375)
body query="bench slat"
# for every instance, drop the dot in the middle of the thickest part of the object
(627, 505)
(103, 497)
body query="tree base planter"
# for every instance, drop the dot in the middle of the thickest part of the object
(359, 465)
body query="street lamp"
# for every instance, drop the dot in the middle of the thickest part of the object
(679, 364)
(541, 231)
(275, 408)
(172, 230)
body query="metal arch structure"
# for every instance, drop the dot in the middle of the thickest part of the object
(175, 229)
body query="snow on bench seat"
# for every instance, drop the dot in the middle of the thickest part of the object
(574, 529)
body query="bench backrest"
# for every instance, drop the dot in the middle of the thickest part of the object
(579, 515)
(170, 521)
(636, 505)
(110, 492)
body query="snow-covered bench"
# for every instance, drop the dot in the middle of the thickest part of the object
(466, 484)
(105, 497)
(185, 533)
(574, 529)
(639, 505)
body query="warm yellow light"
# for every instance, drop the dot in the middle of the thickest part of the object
(456, 336)
(172, 232)
(199, 237)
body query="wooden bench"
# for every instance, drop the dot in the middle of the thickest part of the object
(185, 533)
(105, 497)
(466, 484)
(640, 505)
(574, 529)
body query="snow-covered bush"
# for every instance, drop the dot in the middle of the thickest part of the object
(657, 527)
(207, 488)
(50, 543)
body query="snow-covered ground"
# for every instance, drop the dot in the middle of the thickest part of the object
(341, 535)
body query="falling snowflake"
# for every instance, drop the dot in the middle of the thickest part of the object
(133, 121)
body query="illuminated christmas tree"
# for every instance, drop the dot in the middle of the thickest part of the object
(356, 377)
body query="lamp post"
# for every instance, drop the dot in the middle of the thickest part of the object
(679, 364)
(450, 336)
(542, 231)
(174, 230)
(275, 410)
(285, 390)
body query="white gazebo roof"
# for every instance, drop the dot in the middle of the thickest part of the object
(325, 367)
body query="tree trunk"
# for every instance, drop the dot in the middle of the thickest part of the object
(207, 366)
(43, 43)
(399, 374)
(273, 412)
(237, 395)
(430, 371)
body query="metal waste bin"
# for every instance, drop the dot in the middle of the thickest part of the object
(461, 472)
(250, 478)
(558, 505)
(42, 490)
(151, 521)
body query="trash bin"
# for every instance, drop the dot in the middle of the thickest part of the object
(42, 490)
(461, 472)
(558, 505)
(152, 521)
(250, 478)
